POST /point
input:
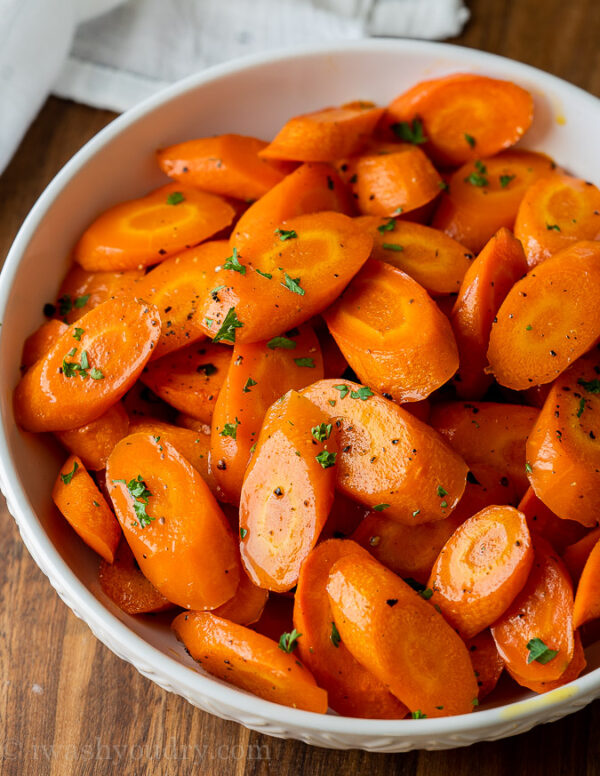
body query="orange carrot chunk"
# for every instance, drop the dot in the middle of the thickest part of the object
(560, 533)
(575, 667)
(587, 599)
(575, 555)
(246, 606)
(94, 442)
(40, 342)
(81, 290)
(487, 663)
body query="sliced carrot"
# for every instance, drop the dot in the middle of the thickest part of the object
(535, 635)
(575, 555)
(40, 342)
(287, 492)
(485, 195)
(433, 259)
(277, 616)
(587, 599)
(462, 116)
(482, 568)
(226, 164)
(560, 533)
(351, 689)
(324, 135)
(256, 377)
(393, 334)
(246, 606)
(190, 378)
(94, 442)
(344, 518)
(185, 421)
(575, 667)
(563, 458)
(89, 367)
(549, 319)
(487, 663)
(127, 587)
(490, 433)
(556, 212)
(249, 660)
(389, 457)
(398, 636)
(144, 231)
(312, 188)
(81, 290)
(85, 508)
(172, 522)
(484, 287)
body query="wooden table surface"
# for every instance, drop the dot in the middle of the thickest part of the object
(67, 704)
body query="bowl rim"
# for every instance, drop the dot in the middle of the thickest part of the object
(106, 626)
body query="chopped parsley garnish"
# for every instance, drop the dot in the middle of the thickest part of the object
(233, 263)
(66, 478)
(529, 327)
(409, 132)
(96, 374)
(392, 247)
(335, 635)
(66, 304)
(581, 407)
(208, 369)
(506, 179)
(528, 468)
(556, 227)
(380, 507)
(175, 198)
(249, 383)
(389, 226)
(266, 275)
(230, 429)
(281, 342)
(343, 389)
(416, 512)
(140, 494)
(326, 459)
(228, 327)
(477, 178)
(470, 140)
(539, 652)
(426, 594)
(363, 393)
(441, 491)
(418, 714)
(591, 386)
(309, 362)
(287, 641)
(77, 334)
(293, 284)
(243, 533)
(322, 432)
(286, 234)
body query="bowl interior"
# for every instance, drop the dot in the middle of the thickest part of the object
(254, 99)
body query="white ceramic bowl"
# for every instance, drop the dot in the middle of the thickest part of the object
(253, 96)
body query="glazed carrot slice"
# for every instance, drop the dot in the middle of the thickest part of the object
(179, 536)
(575, 667)
(144, 231)
(393, 334)
(246, 606)
(94, 442)
(294, 275)
(462, 116)
(249, 660)
(256, 377)
(485, 195)
(562, 452)
(312, 188)
(484, 287)
(89, 367)
(411, 550)
(127, 587)
(81, 503)
(490, 433)
(575, 555)
(387, 456)
(482, 568)
(324, 135)
(549, 319)
(398, 636)
(587, 598)
(185, 421)
(40, 342)
(287, 491)
(226, 164)
(560, 533)
(190, 378)
(194, 446)
(351, 689)
(556, 212)
(535, 635)
(81, 290)
(487, 663)
(429, 256)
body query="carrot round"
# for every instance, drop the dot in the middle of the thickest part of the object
(487, 663)
(548, 319)
(429, 256)
(82, 290)
(482, 568)
(127, 587)
(246, 606)
(587, 598)
(94, 442)
(560, 533)
(575, 667)
(485, 195)
(81, 503)
(226, 164)
(387, 456)
(178, 534)
(484, 287)
(555, 212)
(535, 635)
(576, 554)
(352, 690)
(190, 378)
(400, 638)
(40, 341)
(563, 458)
(89, 367)
(393, 334)
(287, 491)
(144, 231)
(489, 433)
(249, 660)
(324, 135)
(256, 377)
(462, 116)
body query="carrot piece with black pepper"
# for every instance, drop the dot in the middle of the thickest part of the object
(559, 532)
(82, 290)
(572, 671)
(40, 341)
(94, 442)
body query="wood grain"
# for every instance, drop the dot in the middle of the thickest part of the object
(68, 705)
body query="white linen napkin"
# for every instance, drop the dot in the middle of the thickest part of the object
(111, 53)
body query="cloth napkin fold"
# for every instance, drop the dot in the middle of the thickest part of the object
(111, 54)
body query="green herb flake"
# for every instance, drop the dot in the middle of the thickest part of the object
(309, 362)
(389, 226)
(591, 386)
(441, 491)
(426, 594)
(281, 342)
(418, 714)
(335, 635)
(477, 178)
(343, 389)
(230, 429)
(95, 503)
(81, 301)
(363, 393)
(286, 234)
(331, 402)
(416, 512)
(528, 468)
(539, 652)
(249, 383)
(96, 374)
(233, 263)
(529, 327)
(266, 275)
(392, 247)
(380, 507)
(470, 140)
(85, 363)
(326, 459)
(139, 492)
(78, 333)
(71, 352)
(581, 407)
(409, 132)
(243, 533)
(287, 641)
(554, 227)
(293, 284)
(322, 432)
(506, 179)
(175, 198)
(475, 702)
(227, 331)
(66, 478)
